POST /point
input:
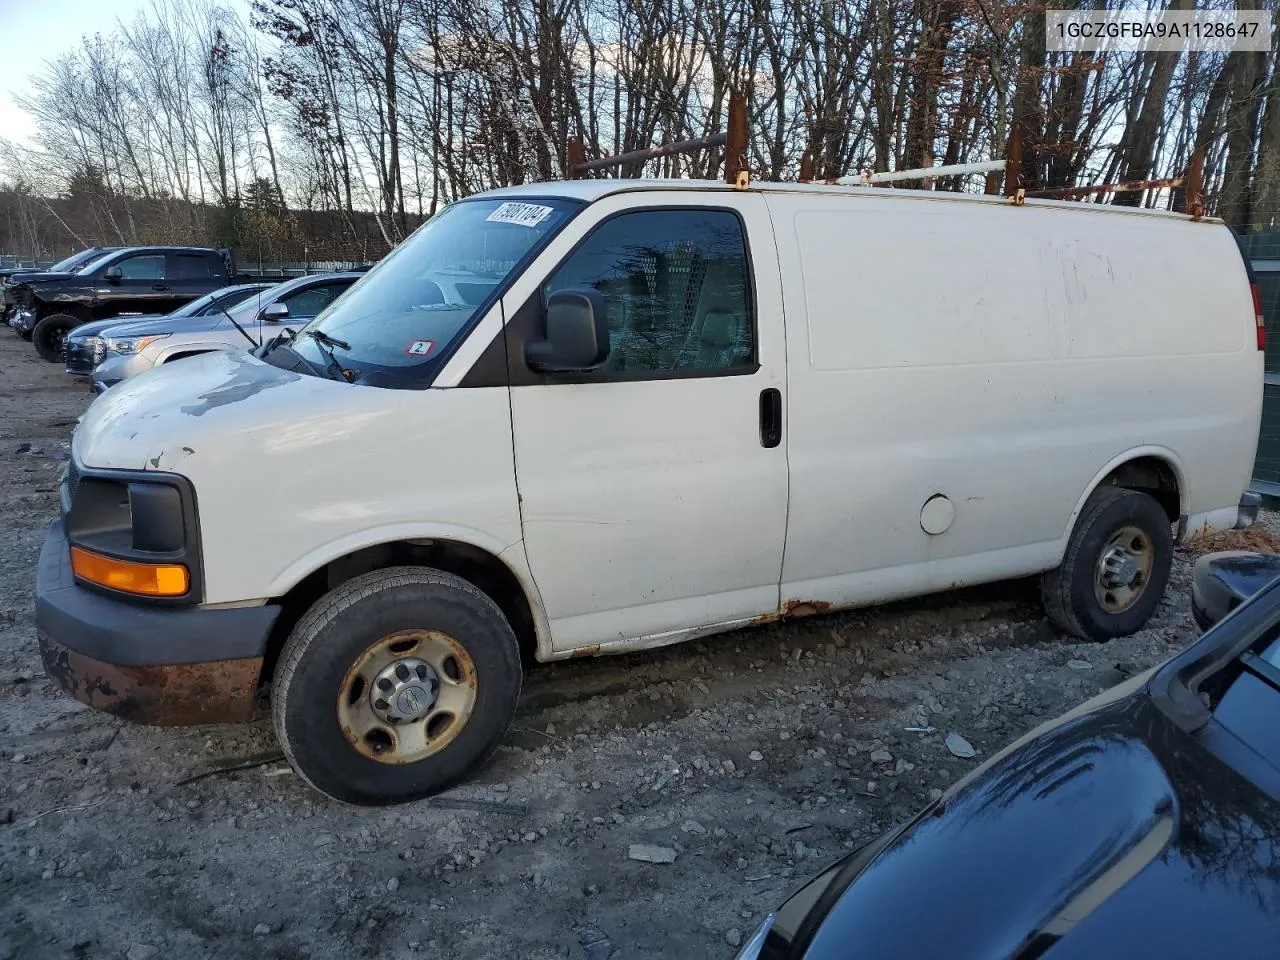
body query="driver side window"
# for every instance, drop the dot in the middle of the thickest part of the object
(309, 302)
(143, 267)
(676, 289)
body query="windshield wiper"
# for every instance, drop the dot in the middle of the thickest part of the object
(327, 340)
(327, 343)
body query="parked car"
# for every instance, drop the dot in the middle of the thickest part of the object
(131, 281)
(601, 416)
(1222, 581)
(9, 303)
(86, 345)
(136, 347)
(1140, 824)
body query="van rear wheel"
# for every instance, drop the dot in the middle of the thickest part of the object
(394, 685)
(1115, 569)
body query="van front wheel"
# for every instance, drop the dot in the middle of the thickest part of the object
(1115, 568)
(394, 685)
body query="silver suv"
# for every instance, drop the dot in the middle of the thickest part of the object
(135, 347)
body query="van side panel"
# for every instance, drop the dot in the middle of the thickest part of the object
(956, 349)
(1162, 349)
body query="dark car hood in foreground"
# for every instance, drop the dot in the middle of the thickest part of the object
(1114, 834)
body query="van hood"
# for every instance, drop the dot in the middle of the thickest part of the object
(155, 420)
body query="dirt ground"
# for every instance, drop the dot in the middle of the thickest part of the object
(755, 756)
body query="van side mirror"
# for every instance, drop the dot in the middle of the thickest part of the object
(275, 312)
(577, 333)
(113, 274)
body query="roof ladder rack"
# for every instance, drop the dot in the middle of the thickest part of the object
(868, 178)
(733, 139)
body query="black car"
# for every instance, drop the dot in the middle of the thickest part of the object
(85, 347)
(1144, 823)
(1223, 581)
(134, 281)
(9, 304)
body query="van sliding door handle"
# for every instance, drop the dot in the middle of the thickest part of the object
(770, 417)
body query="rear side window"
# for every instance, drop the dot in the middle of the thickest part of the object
(676, 287)
(194, 266)
(147, 266)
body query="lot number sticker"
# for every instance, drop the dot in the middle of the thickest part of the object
(421, 348)
(525, 214)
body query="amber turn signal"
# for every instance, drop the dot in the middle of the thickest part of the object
(127, 576)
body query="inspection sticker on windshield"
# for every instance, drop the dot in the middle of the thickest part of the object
(525, 214)
(421, 348)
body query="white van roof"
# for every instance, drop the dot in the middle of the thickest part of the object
(591, 190)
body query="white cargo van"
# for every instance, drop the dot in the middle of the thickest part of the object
(579, 418)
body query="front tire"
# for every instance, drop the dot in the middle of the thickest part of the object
(1115, 569)
(395, 685)
(50, 336)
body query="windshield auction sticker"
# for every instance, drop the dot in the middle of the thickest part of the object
(421, 348)
(525, 214)
(1158, 31)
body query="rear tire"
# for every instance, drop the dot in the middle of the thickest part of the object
(50, 335)
(392, 630)
(1115, 569)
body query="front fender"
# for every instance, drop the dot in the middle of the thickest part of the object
(511, 556)
(61, 297)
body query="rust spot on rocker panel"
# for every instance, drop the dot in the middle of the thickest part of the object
(220, 691)
(804, 608)
(590, 651)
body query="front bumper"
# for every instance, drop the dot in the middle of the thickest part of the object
(83, 354)
(23, 319)
(150, 664)
(116, 368)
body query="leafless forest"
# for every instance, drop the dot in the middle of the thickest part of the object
(331, 128)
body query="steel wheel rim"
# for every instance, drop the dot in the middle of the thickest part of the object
(407, 696)
(1123, 570)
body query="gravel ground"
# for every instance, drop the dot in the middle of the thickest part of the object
(753, 758)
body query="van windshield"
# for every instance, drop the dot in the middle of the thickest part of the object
(396, 326)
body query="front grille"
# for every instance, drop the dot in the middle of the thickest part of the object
(84, 353)
(67, 488)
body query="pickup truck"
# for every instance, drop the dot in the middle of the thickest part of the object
(133, 281)
(13, 275)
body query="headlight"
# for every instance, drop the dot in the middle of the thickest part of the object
(132, 344)
(133, 533)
